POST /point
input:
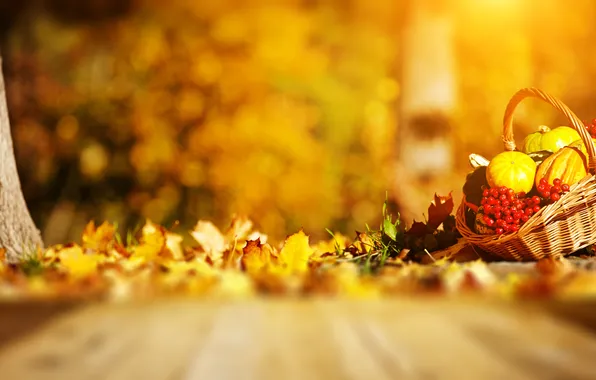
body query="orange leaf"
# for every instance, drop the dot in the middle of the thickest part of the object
(254, 258)
(100, 238)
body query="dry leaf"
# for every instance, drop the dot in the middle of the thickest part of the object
(439, 210)
(77, 263)
(152, 242)
(98, 239)
(210, 239)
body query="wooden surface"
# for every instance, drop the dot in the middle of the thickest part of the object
(317, 339)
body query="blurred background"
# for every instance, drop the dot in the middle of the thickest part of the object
(297, 113)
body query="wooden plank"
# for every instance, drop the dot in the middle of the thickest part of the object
(314, 339)
(20, 318)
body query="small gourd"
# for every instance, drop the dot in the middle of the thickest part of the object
(548, 139)
(514, 170)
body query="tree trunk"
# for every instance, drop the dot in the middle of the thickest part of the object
(427, 101)
(18, 234)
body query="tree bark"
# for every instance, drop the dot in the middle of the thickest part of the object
(426, 104)
(18, 233)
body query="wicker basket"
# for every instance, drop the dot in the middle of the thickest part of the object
(558, 229)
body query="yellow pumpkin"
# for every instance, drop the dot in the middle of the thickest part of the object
(549, 139)
(568, 164)
(515, 170)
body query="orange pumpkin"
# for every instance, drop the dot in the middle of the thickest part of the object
(569, 164)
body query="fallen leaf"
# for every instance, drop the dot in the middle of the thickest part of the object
(256, 256)
(417, 229)
(439, 210)
(152, 242)
(210, 239)
(239, 229)
(98, 239)
(296, 252)
(174, 245)
(76, 262)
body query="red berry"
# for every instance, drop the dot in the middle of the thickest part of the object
(540, 188)
(497, 208)
(499, 231)
(502, 190)
(543, 181)
(505, 203)
(536, 208)
(546, 194)
(517, 215)
(507, 212)
(485, 193)
(490, 222)
(557, 182)
(555, 197)
(502, 197)
(565, 187)
(514, 228)
(529, 212)
(536, 199)
(555, 189)
(521, 194)
(498, 215)
(488, 210)
(509, 219)
(513, 209)
(494, 193)
(524, 218)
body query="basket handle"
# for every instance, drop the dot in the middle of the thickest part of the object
(576, 123)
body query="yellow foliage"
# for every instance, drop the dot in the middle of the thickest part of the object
(77, 263)
(98, 239)
(152, 242)
(295, 253)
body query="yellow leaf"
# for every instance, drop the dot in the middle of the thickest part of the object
(210, 239)
(256, 256)
(99, 238)
(174, 245)
(239, 228)
(152, 242)
(296, 252)
(76, 262)
(330, 246)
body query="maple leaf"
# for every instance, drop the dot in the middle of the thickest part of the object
(418, 229)
(152, 242)
(257, 256)
(76, 262)
(98, 239)
(439, 210)
(296, 252)
(210, 239)
(239, 229)
(174, 245)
